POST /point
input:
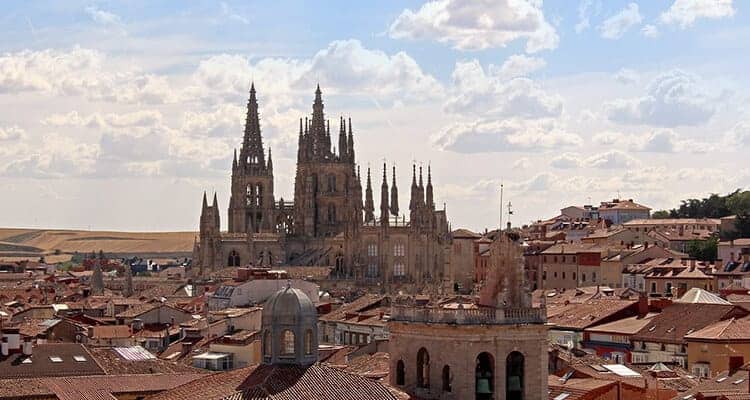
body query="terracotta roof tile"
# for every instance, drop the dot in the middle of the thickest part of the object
(277, 382)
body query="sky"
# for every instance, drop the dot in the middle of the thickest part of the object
(118, 115)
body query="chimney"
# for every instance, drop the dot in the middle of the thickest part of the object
(91, 332)
(4, 347)
(642, 305)
(692, 264)
(28, 346)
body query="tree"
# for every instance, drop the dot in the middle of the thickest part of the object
(661, 214)
(703, 250)
(742, 226)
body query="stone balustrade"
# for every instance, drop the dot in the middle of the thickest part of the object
(470, 316)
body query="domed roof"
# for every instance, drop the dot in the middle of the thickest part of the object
(289, 303)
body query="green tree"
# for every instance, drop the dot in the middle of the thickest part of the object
(703, 250)
(738, 203)
(661, 214)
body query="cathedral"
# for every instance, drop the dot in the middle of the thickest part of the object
(328, 223)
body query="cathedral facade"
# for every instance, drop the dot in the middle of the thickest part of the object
(328, 223)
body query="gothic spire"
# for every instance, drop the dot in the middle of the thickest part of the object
(350, 145)
(205, 202)
(215, 205)
(234, 161)
(421, 187)
(414, 188)
(429, 196)
(270, 162)
(343, 152)
(369, 204)
(384, 207)
(318, 128)
(394, 194)
(252, 143)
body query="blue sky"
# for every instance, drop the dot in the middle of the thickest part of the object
(117, 115)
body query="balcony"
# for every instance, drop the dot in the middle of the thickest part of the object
(475, 316)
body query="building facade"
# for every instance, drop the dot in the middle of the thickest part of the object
(327, 223)
(496, 349)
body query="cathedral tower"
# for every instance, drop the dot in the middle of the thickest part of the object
(252, 200)
(327, 193)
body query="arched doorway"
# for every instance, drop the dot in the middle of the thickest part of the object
(446, 378)
(485, 377)
(423, 368)
(400, 373)
(514, 376)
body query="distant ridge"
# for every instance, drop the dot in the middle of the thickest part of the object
(60, 244)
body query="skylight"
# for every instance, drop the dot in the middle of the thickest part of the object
(561, 396)
(722, 379)
(79, 358)
(738, 381)
(55, 359)
(26, 360)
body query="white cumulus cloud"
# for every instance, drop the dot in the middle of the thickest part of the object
(615, 26)
(684, 13)
(673, 98)
(477, 25)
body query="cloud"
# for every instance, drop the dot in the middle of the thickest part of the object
(627, 76)
(348, 65)
(102, 17)
(650, 31)
(475, 92)
(229, 13)
(512, 134)
(613, 159)
(344, 66)
(522, 163)
(518, 65)
(586, 9)
(79, 72)
(566, 161)
(141, 118)
(739, 135)
(657, 141)
(673, 98)
(477, 25)
(11, 133)
(684, 13)
(615, 26)
(58, 156)
(224, 121)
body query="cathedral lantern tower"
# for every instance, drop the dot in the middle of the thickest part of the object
(252, 200)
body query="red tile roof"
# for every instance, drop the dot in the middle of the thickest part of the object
(278, 382)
